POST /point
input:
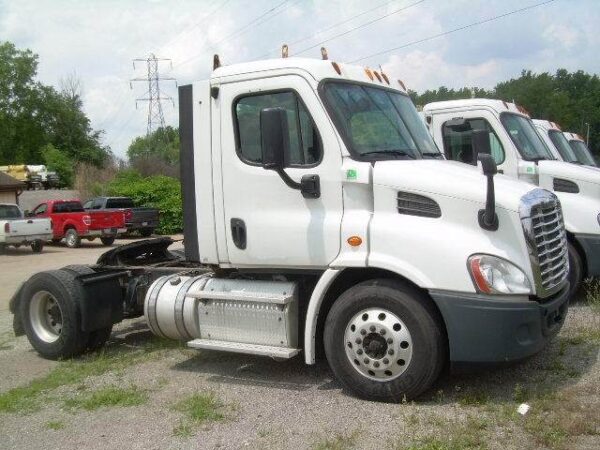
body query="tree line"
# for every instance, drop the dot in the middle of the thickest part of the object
(571, 99)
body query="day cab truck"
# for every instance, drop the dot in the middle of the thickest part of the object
(520, 153)
(72, 223)
(582, 152)
(17, 230)
(141, 218)
(318, 214)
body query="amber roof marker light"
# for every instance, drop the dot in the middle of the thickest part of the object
(337, 68)
(284, 51)
(324, 54)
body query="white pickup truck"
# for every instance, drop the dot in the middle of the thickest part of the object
(17, 230)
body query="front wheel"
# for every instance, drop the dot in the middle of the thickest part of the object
(72, 239)
(575, 271)
(384, 341)
(108, 240)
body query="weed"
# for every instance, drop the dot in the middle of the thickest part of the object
(520, 394)
(338, 442)
(197, 409)
(74, 371)
(456, 441)
(109, 396)
(473, 398)
(54, 425)
(592, 294)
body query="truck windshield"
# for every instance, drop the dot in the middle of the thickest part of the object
(523, 134)
(562, 145)
(376, 123)
(582, 153)
(9, 212)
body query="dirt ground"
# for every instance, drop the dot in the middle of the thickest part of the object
(144, 393)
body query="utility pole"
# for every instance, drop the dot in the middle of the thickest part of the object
(153, 96)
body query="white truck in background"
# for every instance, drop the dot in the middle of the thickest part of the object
(318, 213)
(582, 152)
(17, 230)
(519, 151)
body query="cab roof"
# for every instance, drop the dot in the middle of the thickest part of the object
(318, 69)
(546, 124)
(497, 105)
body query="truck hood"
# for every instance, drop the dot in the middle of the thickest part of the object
(569, 171)
(450, 179)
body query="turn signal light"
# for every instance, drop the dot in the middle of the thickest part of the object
(354, 241)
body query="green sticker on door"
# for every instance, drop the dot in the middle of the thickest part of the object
(351, 174)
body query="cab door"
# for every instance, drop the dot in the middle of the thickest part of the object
(267, 223)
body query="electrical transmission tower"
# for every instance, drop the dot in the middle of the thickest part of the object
(153, 96)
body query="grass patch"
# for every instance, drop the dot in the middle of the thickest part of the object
(197, 409)
(592, 294)
(473, 398)
(54, 425)
(28, 398)
(338, 442)
(110, 396)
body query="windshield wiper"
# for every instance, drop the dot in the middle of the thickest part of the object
(388, 152)
(432, 154)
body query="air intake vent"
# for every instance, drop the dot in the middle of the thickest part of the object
(418, 205)
(561, 185)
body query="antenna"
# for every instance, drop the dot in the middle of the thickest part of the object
(153, 96)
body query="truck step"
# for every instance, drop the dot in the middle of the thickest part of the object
(250, 349)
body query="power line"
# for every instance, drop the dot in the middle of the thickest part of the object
(361, 26)
(254, 22)
(445, 33)
(324, 30)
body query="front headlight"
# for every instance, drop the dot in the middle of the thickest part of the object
(493, 275)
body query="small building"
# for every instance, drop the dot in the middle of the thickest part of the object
(10, 189)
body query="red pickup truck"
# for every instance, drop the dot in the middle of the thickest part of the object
(71, 222)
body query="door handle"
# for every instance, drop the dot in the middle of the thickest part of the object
(238, 233)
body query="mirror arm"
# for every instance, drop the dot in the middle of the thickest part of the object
(287, 179)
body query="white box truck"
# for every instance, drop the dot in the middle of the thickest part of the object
(511, 138)
(319, 213)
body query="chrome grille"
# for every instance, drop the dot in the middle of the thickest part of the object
(541, 216)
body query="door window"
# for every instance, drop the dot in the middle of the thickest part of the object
(458, 145)
(304, 140)
(41, 209)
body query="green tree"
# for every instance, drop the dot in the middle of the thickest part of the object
(60, 163)
(162, 143)
(33, 115)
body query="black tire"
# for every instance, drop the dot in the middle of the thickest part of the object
(37, 246)
(72, 239)
(429, 348)
(146, 232)
(66, 291)
(108, 241)
(97, 338)
(575, 271)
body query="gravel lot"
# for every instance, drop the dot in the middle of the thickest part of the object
(260, 403)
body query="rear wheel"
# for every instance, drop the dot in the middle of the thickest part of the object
(51, 315)
(97, 338)
(37, 246)
(108, 240)
(72, 239)
(146, 232)
(384, 341)
(575, 271)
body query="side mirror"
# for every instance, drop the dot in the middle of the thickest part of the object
(488, 219)
(480, 142)
(275, 137)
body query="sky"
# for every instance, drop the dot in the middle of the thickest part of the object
(96, 41)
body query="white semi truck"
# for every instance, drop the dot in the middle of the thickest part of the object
(519, 152)
(318, 213)
(582, 152)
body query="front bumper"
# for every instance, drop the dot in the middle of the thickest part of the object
(591, 247)
(492, 329)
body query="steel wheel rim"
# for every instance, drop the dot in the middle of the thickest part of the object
(71, 239)
(378, 344)
(46, 316)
